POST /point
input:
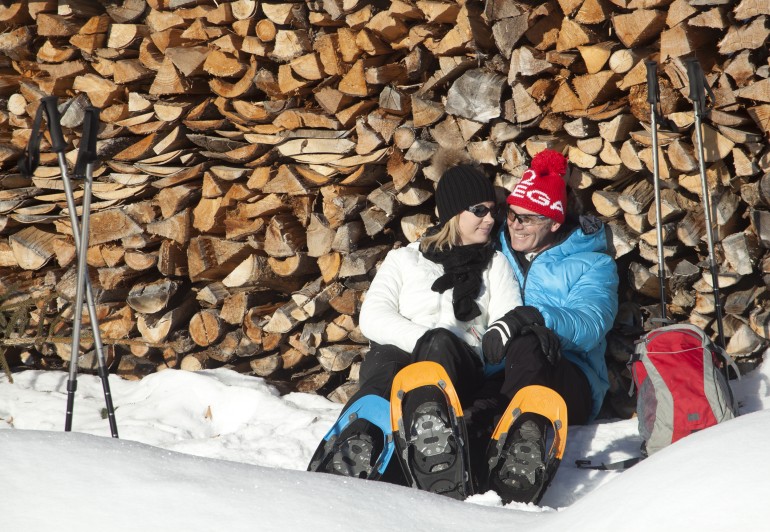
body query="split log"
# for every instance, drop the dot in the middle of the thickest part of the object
(340, 356)
(155, 328)
(151, 298)
(206, 327)
(32, 248)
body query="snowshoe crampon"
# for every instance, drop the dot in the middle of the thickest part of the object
(360, 444)
(429, 431)
(520, 468)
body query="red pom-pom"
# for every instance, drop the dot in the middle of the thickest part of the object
(549, 162)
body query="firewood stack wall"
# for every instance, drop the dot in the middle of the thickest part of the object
(257, 160)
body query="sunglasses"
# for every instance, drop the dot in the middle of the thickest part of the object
(526, 219)
(481, 210)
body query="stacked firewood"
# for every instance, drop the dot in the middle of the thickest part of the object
(258, 159)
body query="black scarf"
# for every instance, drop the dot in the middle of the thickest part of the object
(463, 268)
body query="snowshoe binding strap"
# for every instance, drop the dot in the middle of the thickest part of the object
(354, 453)
(433, 447)
(518, 471)
(612, 466)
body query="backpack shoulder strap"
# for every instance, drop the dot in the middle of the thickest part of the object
(613, 466)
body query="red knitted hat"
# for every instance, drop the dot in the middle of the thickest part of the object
(542, 188)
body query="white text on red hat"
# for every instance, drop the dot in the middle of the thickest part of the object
(535, 196)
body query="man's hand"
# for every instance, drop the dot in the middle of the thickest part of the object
(498, 334)
(550, 345)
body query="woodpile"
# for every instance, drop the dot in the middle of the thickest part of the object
(259, 158)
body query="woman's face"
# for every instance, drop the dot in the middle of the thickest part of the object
(474, 229)
(534, 234)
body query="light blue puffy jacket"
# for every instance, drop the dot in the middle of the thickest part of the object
(574, 285)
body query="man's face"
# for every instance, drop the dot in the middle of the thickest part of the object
(530, 232)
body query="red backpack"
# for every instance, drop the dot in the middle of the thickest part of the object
(680, 388)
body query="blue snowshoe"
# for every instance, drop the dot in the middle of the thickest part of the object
(360, 443)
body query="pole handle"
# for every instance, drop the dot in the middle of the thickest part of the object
(49, 103)
(653, 93)
(695, 78)
(87, 150)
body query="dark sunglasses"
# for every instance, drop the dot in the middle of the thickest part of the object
(526, 219)
(482, 210)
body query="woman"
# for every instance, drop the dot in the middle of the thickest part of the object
(430, 301)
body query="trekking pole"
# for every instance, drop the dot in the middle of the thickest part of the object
(698, 97)
(653, 98)
(86, 159)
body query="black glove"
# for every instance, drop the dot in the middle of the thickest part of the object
(550, 345)
(496, 338)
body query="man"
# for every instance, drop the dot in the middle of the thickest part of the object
(569, 287)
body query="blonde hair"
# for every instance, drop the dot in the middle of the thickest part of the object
(445, 238)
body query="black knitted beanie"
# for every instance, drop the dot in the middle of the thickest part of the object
(459, 188)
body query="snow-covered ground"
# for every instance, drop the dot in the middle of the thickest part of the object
(220, 451)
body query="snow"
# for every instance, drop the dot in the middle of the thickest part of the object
(220, 451)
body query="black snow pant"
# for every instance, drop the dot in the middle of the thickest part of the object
(483, 399)
(383, 362)
(461, 363)
(525, 365)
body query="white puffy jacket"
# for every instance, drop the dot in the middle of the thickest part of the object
(400, 305)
